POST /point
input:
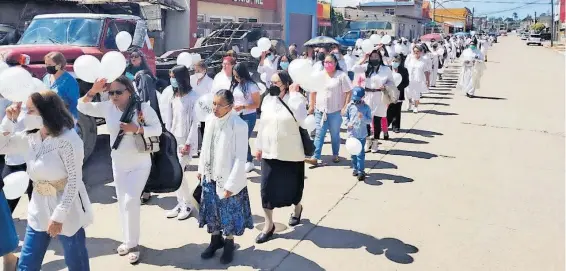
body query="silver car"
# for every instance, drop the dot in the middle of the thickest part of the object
(534, 39)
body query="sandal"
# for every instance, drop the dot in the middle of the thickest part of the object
(122, 250)
(336, 159)
(134, 255)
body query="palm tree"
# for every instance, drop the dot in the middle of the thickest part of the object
(515, 16)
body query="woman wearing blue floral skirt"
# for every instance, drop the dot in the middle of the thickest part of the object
(8, 237)
(225, 204)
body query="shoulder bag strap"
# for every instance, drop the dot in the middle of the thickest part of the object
(289, 109)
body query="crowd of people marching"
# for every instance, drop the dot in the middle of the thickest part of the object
(38, 136)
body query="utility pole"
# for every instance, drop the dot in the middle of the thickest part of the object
(433, 15)
(552, 23)
(473, 11)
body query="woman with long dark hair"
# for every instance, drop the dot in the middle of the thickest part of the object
(130, 167)
(60, 206)
(183, 124)
(377, 77)
(394, 109)
(137, 63)
(280, 150)
(327, 107)
(246, 100)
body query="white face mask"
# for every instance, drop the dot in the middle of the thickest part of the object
(199, 75)
(32, 122)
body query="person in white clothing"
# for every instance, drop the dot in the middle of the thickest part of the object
(418, 78)
(280, 150)
(202, 84)
(223, 79)
(472, 71)
(350, 60)
(184, 126)
(377, 77)
(268, 65)
(434, 61)
(130, 167)
(225, 203)
(60, 206)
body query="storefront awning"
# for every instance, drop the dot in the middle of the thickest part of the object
(164, 4)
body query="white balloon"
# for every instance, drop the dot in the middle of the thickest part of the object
(359, 42)
(185, 59)
(87, 68)
(3, 66)
(196, 58)
(468, 55)
(15, 184)
(315, 81)
(204, 106)
(256, 52)
(263, 77)
(300, 71)
(310, 123)
(38, 85)
(353, 146)
(367, 46)
(16, 84)
(375, 39)
(123, 41)
(386, 39)
(113, 65)
(264, 44)
(398, 48)
(397, 78)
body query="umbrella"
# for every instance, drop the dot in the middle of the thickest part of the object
(321, 40)
(427, 37)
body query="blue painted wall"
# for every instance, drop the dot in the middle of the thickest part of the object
(307, 7)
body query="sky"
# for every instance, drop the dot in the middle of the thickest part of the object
(482, 7)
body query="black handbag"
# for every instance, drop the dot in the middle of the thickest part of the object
(308, 144)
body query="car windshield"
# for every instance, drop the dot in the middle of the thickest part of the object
(68, 31)
(535, 36)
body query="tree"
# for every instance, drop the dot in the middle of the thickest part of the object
(515, 16)
(338, 23)
(538, 27)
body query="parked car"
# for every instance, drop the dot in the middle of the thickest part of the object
(523, 36)
(534, 39)
(545, 36)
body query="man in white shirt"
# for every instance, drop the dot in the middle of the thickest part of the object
(350, 59)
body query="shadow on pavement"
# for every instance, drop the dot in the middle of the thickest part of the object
(439, 113)
(423, 133)
(442, 104)
(377, 178)
(488, 98)
(410, 140)
(415, 154)
(437, 98)
(325, 237)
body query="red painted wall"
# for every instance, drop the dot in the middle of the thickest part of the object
(267, 4)
(562, 11)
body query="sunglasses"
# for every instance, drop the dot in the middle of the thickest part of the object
(135, 56)
(116, 92)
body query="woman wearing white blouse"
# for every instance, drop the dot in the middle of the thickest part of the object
(53, 152)
(184, 126)
(418, 77)
(246, 101)
(130, 167)
(223, 79)
(202, 84)
(280, 150)
(377, 77)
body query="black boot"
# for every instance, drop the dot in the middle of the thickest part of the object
(228, 253)
(216, 243)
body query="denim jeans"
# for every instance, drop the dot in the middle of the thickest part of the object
(250, 119)
(36, 243)
(358, 161)
(332, 123)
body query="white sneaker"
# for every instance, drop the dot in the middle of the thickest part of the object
(410, 107)
(174, 212)
(369, 143)
(185, 212)
(415, 110)
(249, 167)
(374, 146)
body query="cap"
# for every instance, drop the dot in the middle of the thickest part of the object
(18, 60)
(358, 93)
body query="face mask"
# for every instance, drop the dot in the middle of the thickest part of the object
(374, 62)
(274, 91)
(357, 102)
(284, 65)
(130, 76)
(270, 57)
(395, 65)
(174, 82)
(51, 69)
(32, 122)
(329, 67)
(473, 47)
(199, 75)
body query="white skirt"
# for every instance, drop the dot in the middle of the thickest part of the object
(415, 89)
(378, 108)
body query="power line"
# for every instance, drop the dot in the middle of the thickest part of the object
(511, 9)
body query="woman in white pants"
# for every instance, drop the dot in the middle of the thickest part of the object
(183, 124)
(130, 167)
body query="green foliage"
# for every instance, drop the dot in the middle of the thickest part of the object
(538, 27)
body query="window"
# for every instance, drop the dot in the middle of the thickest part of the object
(351, 35)
(114, 28)
(214, 19)
(227, 19)
(242, 20)
(390, 11)
(69, 31)
(201, 18)
(252, 20)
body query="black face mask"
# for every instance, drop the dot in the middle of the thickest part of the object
(51, 69)
(274, 91)
(374, 62)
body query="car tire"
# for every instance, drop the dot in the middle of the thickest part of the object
(88, 131)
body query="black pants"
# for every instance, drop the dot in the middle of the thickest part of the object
(7, 170)
(376, 127)
(201, 134)
(394, 115)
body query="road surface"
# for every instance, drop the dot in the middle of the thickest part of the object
(470, 184)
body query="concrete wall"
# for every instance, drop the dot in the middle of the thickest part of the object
(215, 9)
(399, 10)
(176, 31)
(305, 7)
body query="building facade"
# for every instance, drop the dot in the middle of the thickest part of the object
(457, 18)
(300, 21)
